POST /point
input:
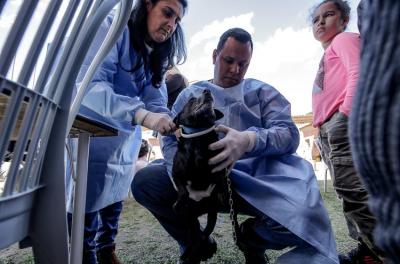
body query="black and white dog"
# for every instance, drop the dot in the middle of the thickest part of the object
(192, 174)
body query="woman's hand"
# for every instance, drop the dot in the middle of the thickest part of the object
(160, 122)
(233, 146)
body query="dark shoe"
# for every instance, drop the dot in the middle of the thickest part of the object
(255, 257)
(200, 251)
(247, 243)
(360, 255)
(106, 255)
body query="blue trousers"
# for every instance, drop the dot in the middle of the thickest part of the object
(101, 228)
(153, 189)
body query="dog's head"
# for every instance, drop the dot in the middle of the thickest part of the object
(199, 112)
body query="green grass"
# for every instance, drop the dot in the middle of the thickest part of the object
(142, 240)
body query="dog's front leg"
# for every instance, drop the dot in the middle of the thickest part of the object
(182, 202)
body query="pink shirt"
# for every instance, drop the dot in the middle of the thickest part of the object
(336, 80)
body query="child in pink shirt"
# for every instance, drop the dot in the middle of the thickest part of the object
(337, 77)
(333, 91)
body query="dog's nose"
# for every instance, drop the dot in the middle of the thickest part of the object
(206, 91)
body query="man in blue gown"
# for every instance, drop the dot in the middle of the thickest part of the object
(273, 185)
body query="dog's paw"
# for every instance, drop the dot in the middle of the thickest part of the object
(200, 251)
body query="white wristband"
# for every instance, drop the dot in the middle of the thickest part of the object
(140, 116)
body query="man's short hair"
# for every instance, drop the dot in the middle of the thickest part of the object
(175, 84)
(144, 148)
(238, 34)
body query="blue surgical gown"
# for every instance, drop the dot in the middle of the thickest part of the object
(270, 177)
(113, 97)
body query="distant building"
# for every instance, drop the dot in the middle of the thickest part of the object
(308, 148)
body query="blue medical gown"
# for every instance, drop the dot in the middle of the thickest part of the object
(270, 177)
(113, 97)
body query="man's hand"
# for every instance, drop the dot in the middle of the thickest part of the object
(159, 122)
(233, 145)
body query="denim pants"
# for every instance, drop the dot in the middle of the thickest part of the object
(101, 228)
(336, 153)
(152, 188)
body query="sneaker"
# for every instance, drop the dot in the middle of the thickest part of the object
(360, 255)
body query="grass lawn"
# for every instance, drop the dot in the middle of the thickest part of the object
(142, 240)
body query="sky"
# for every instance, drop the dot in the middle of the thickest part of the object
(285, 55)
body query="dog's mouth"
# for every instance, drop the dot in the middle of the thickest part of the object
(205, 100)
(199, 112)
(207, 95)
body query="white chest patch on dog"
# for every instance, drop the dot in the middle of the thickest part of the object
(198, 195)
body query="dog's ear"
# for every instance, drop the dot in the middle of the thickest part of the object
(218, 114)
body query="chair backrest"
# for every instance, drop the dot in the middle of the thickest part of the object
(34, 123)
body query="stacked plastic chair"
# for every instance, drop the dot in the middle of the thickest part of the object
(36, 120)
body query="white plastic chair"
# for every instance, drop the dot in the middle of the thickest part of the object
(36, 120)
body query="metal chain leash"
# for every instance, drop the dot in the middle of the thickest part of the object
(232, 215)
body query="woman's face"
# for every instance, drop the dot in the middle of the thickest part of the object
(327, 23)
(163, 18)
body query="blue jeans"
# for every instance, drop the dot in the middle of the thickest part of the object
(101, 228)
(153, 189)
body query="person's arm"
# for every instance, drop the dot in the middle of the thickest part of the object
(155, 99)
(347, 48)
(101, 96)
(155, 115)
(278, 135)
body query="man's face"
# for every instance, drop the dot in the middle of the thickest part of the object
(231, 62)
